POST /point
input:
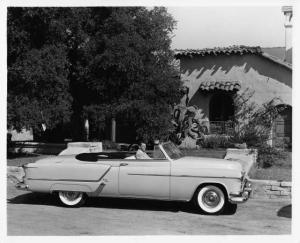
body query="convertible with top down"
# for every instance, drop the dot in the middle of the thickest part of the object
(213, 184)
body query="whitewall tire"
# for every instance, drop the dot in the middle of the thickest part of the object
(211, 199)
(71, 199)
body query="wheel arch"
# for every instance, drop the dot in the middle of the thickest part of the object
(70, 187)
(217, 184)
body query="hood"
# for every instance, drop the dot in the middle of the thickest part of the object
(208, 167)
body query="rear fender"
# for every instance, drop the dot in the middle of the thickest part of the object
(70, 187)
(92, 188)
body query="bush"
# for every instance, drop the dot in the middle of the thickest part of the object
(269, 156)
(107, 145)
(250, 136)
(253, 122)
(215, 141)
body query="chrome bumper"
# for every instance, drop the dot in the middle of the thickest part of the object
(21, 186)
(14, 175)
(243, 196)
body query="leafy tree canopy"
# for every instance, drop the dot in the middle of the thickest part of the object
(97, 63)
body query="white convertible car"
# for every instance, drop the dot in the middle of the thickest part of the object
(213, 184)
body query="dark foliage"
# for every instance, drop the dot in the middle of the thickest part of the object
(269, 156)
(38, 69)
(69, 64)
(216, 141)
(253, 123)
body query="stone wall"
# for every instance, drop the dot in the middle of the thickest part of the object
(272, 189)
(261, 188)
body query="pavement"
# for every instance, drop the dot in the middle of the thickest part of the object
(41, 214)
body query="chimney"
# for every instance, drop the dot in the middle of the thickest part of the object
(288, 13)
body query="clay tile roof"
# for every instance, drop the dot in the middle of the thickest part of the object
(231, 50)
(220, 85)
(277, 60)
(239, 50)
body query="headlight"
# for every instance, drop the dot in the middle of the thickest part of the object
(243, 175)
(248, 185)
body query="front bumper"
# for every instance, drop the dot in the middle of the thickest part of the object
(243, 196)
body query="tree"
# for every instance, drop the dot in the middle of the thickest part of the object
(131, 76)
(38, 69)
(68, 64)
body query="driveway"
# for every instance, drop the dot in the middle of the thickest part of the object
(40, 214)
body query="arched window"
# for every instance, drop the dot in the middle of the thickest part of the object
(283, 125)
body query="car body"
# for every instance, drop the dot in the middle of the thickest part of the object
(214, 184)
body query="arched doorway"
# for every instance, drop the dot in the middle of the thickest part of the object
(221, 107)
(282, 132)
(221, 112)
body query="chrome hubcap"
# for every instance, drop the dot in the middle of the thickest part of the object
(211, 199)
(71, 195)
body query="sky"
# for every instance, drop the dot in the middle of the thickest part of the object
(202, 27)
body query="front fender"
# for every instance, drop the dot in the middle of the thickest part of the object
(184, 188)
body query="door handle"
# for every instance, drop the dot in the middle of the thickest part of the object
(123, 164)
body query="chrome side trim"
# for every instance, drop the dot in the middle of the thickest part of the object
(214, 177)
(45, 179)
(145, 174)
(137, 174)
(223, 177)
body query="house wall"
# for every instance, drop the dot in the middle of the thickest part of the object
(201, 100)
(267, 79)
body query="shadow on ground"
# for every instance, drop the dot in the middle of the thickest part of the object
(113, 203)
(285, 211)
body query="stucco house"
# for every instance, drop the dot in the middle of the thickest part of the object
(213, 75)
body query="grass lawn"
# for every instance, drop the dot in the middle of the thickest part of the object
(273, 173)
(282, 170)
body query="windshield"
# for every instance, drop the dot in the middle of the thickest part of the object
(172, 150)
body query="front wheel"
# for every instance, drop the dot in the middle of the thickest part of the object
(210, 199)
(71, 199)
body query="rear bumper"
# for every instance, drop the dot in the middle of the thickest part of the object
(243, 196)
(21, 186)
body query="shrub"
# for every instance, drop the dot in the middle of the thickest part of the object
(107, 144)
(253, 123)
(269, 156)
(215, 141)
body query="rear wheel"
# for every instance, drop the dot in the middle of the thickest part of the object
(210, 199)
(71, 199)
